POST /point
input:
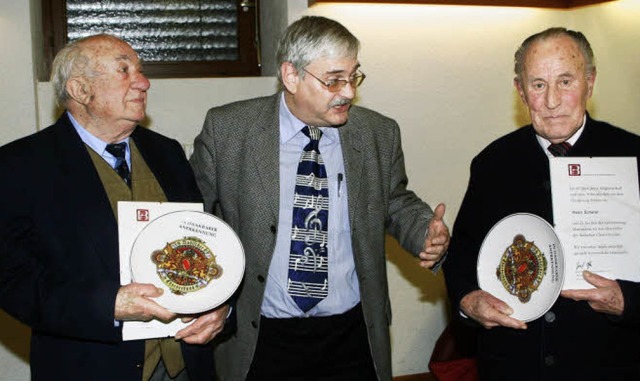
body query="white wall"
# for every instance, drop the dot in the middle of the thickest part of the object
(17, 111)
(444, 72)
(614, 31)
(17, 85)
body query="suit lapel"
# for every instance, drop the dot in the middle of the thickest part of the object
(352, 147)
(265, 146)
(89, 207)
(587, 141)
(156, 159)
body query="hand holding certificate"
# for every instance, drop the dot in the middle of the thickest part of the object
(596, 210)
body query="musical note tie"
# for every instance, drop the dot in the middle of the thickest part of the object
(118, 151)
(560, 149)
(308, 266)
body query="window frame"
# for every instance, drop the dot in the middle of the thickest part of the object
(558, 4)
(54, 28)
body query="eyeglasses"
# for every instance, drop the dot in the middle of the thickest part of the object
(335, 85)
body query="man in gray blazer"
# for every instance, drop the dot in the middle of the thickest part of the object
(312, 215)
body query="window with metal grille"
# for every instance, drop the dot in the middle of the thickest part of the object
(175, 38)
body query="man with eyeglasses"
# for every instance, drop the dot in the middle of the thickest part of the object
(311, 183)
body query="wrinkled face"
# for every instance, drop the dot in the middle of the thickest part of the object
(310, 101)
(119, 92)
(555, 87)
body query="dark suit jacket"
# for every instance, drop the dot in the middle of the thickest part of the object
(236, 161)
(571, 342)
(59, 267)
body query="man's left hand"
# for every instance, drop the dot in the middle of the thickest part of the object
(205, 327)
(606, 297)
(437, 241)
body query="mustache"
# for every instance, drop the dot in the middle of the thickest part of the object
(340, 102)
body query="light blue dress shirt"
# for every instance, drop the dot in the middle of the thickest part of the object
(344, 291)
(98, 145)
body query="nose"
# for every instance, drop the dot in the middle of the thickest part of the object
(348, 90)
(552, 98)
(141, 82)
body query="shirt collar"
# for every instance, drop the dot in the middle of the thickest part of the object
(290, 126)
(89, 139)
(544, 143)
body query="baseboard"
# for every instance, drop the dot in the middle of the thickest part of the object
(416, 377)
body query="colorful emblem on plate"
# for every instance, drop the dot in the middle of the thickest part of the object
(186, 265)
(522, 268)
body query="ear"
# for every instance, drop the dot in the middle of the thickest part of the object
(290, 77)
(518, 86)
(591, 80)
(79, 90)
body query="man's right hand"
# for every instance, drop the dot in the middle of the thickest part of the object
(489, 311)
(134, 302)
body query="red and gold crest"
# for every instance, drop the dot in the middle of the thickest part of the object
(186, 265)
(522, 268)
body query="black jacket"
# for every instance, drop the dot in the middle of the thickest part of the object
(59, 264)
(572, 342)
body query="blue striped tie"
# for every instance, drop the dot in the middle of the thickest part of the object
(308, 266)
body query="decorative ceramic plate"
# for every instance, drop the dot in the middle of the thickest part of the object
(521, 262)
(194, 256)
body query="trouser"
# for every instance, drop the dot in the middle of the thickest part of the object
(331, 348)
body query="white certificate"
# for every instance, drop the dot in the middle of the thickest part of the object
(132, 218)
(596, 210)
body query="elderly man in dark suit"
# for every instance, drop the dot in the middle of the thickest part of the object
(587, 334)
(310, 183)
(59, 262)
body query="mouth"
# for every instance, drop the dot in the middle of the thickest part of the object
(341, 105)
(554, 117)
(342, 108)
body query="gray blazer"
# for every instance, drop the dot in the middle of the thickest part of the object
(236, 162)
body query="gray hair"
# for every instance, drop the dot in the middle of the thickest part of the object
(578, 37)
(72, 61)
(313, 37)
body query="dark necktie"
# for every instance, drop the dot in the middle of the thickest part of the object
(308, 266)
(118, 151)
(560, 149)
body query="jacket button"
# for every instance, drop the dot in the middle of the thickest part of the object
(550, 317)
(260, 279)
(273, 229)
(254, 324)
(549, 360)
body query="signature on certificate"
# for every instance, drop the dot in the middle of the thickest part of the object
(584, 264)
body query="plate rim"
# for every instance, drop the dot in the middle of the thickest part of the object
(236, 284)
(561, 252)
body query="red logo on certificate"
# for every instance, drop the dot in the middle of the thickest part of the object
(142, 214)
(574, 169)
